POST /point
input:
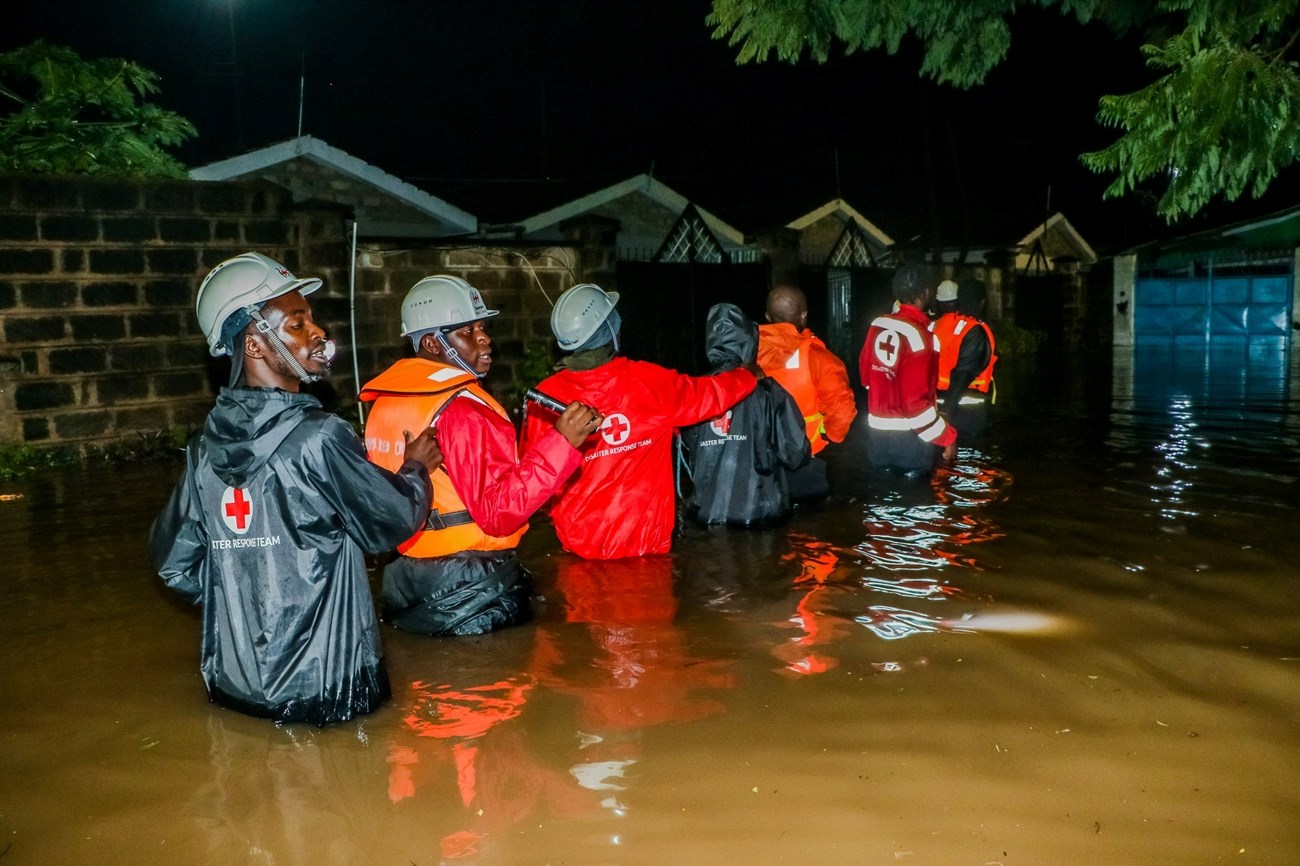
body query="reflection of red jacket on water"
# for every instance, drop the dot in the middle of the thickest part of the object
(641, 673)
(621, 502)
(815, 378)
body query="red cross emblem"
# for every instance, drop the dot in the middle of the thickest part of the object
(615, 429)
(236, 509)
(886, 348)
(283, 272)
(722, 426)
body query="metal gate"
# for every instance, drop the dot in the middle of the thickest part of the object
(1214, 335)
(664, 306)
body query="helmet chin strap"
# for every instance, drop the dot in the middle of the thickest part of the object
(454, 356)
(264, 327)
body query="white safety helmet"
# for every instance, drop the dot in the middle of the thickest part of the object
(440, 302)
(579, 313)
(947, 291)
(247, 280)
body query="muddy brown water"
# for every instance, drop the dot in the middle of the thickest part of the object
(1079, 646)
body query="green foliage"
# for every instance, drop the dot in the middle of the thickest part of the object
(1013, 341)
(16, 460)
(76, 116)
(538, 363)
(1220, 120)
(1223, 119)
(151, 445)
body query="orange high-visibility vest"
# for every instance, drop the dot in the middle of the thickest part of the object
(949, 329)
(409, 396)
(789, 365)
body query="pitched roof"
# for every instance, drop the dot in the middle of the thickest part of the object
(644, 184)
(841, 208)
(1058, 237)
(314, 171)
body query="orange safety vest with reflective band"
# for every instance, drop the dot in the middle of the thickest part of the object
(949, 328)
(789, 365)
(409, 396)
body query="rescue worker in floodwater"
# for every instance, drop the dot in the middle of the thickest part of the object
(740, 460)
(277, 502)
(965, 386)
(621, 503)
(899, 367)
(459, 574)
(815, 377)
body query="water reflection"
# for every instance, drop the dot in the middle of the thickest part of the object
(1202, 410)
(720, 703)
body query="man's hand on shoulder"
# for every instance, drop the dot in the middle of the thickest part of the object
(424, 448)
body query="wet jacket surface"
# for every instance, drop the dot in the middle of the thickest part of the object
(966, 355)
(266, 530)
(621, 502)
(900, 366)
(471, 582)
(739, 459)
(814, 376)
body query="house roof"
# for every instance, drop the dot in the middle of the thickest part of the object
(643, 184)
(1272, 235)
(840, 207)
(312, 169)
(1062, 234)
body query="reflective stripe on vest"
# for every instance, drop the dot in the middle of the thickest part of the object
(948, 329)
(411, 395)
(928, 424)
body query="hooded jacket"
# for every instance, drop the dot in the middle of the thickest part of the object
(266, 530)
(739, 459)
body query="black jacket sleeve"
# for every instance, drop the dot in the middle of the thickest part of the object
(972, 357)
(380, 509)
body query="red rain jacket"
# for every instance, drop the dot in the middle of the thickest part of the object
(900, 366)
(620, 503)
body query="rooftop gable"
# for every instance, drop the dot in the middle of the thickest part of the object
(643, 184)
(843, 209)
(1062, 233)
(446, 218)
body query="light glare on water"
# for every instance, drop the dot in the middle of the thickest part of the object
(1077, 645)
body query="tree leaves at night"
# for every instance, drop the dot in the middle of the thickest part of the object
(1221, 118)
(75, 116)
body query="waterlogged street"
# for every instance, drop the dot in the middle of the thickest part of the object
(1079, 645)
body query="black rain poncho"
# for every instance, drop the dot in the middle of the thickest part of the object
(738, 461)
(266, 530)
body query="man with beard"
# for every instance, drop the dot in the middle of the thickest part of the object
(267, 526)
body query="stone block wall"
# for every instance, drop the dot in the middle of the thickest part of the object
(98, 340)
(97, 280)
(521, 283)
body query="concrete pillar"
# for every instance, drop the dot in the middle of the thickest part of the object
(1125, 298)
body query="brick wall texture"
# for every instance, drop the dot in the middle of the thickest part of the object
(98, 340)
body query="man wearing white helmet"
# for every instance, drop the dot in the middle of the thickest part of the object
(459, 574)
(899, 367)
(267, 527)
(966, 355)
(622, 502)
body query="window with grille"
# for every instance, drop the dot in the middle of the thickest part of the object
(691, 241)
(851, 250)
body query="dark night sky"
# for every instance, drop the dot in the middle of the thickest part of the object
(572, 96)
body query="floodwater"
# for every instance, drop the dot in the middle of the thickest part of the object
(1081, 645)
